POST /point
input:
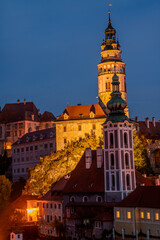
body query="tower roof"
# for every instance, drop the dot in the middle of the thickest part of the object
(116, 105)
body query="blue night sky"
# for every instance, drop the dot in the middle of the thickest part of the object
(49, 51)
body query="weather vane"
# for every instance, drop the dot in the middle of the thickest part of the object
(110, 5)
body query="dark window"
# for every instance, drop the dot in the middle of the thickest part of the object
(113, 182)
(60, 218)
(55, 206)
(108, 86)
(22, 149)
(43, 205)
(127, 160)
(17, 150)
(106, 140)
(128, 181)
(18, 170)
(126, 140)
(59, 206)
(31, 148)
(51, 206)
(65, 140)
(36, 147)
(8, 134)
(111, 140)
(99, 199)
(79, 128)
(27, 148)
(64, 129)
(85, 199)
(94, 126)
(51, 145)
(48, 218)
(22, 169)
(107, 161)
(112, 161)
(107, 181)
(45, 145)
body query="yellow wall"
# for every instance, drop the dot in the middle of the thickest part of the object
(72, 130)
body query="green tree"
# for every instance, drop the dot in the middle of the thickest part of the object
(142, 163)
(58, 164)
(5, 189)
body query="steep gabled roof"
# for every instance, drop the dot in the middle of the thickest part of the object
(47, 116)
(142, 196)
(14, 112)
(84, 180)
(21, 202)
(55, 193)
(82, 112)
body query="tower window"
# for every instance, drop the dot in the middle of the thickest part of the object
(126, 140)
(112, 161)
(128, 181)
(113, 182)
(111, 140)
(127, 160)
(107, 86)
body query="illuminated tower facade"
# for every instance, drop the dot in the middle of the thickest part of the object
(111, 59)
(119, 169)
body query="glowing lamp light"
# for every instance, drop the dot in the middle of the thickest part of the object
(31, 210)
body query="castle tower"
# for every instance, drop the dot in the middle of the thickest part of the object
(119, 169)
(110, 57)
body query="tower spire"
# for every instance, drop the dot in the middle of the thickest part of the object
(109, 21)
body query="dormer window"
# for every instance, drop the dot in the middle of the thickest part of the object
(85, 199)
(27, 139)
(34, 137)
(41, 136)
(92, 114)
(51, 134)
(66, 116)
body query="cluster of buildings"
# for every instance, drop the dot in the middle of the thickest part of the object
(104, 195)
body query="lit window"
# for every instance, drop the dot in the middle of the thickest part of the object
(118, 214)
(142, 215)
(129, 215)
(157, 216)
(79, 128)
(148, 215)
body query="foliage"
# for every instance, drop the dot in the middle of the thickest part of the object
(5, 189)
(16, 218)
(5, 163)
(53, 167)
(142, 163)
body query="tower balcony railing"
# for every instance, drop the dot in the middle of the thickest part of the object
(108, 71)
(111, 58)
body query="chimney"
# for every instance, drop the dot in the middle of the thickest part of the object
(38, 112)
(147, 122)
(153, 121)
(88, 157)
(24, 101)
(99, 157)
(32, 117)
(136, 118)
(18, 101)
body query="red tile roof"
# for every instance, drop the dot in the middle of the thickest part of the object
(47, 116)
(18, 112)
(86, 180)
(82, 112)
(141, 180)
(151, 132)
(55, 193)
(21, 202)
(143, 196)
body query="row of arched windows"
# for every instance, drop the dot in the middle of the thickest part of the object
(125, 137)
(85, 199)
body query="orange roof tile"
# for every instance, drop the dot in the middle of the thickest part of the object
(82, 112)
